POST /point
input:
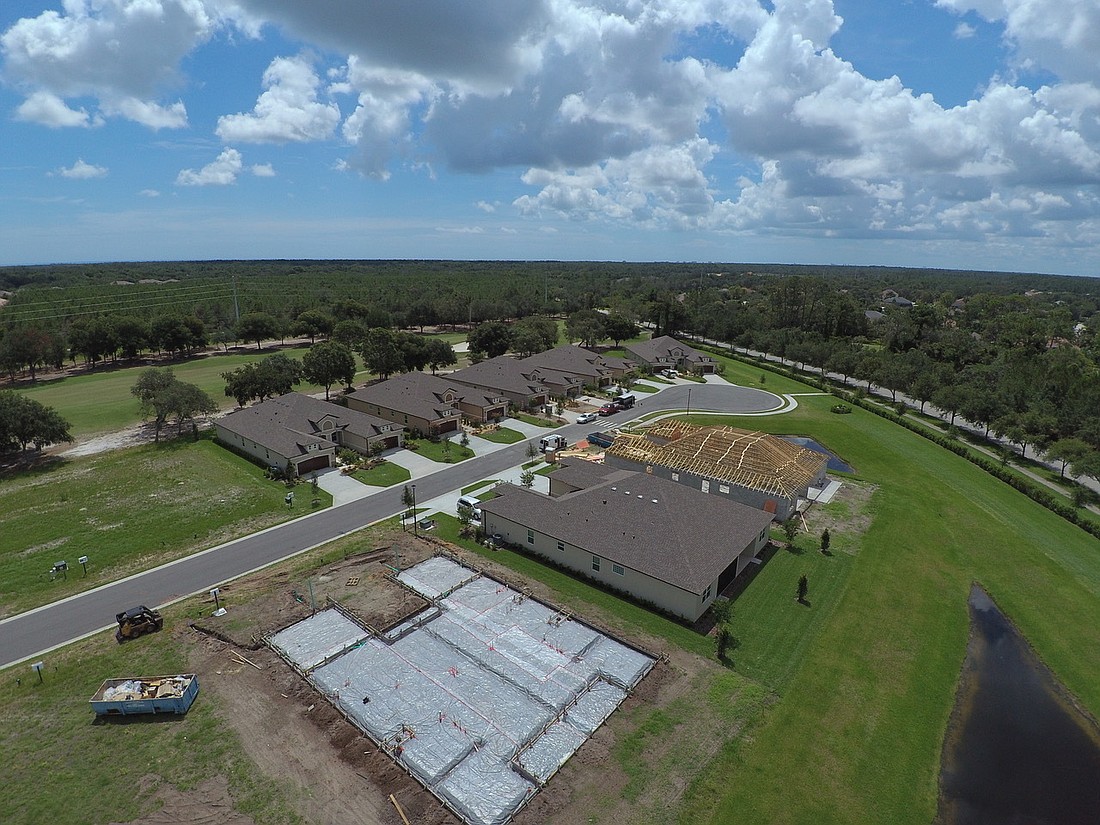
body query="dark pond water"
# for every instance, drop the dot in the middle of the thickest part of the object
(1017, 752)
(835, 464)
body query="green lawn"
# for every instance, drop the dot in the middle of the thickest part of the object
(471, 487)
(643, 388)
(385, 474)
(100, 401)
(443, 451)
(759, 376)
(863, 707)
(502, 435)
(537, 422)
(127, 510)
(63, 767)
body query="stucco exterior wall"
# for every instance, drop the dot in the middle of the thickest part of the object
(410, 422)
(521, 400)
(258, 451)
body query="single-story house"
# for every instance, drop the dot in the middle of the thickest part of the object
(581, 364)
(666, 352)
(635, 533)
(426, 404)
(505, 376)
(753, 468)
(300, 434)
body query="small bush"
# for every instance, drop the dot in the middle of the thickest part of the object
(840, 409)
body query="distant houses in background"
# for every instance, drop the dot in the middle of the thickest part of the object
(300, 434)
(658, 541)
(753, 468)
(436, 404)
(667, 353)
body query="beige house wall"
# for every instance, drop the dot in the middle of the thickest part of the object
(264, 455)
(410, 422)
(666, 596)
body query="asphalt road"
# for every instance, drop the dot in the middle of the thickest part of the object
(38, 631)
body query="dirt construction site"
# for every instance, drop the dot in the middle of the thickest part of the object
(453, 692)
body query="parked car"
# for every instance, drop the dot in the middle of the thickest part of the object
(586, 417)
(610, 408)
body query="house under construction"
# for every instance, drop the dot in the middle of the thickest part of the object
(752, 468)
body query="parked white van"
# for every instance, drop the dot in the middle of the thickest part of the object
(473, 503)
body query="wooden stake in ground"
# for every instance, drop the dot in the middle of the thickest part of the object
(404, 818)
(243, 660)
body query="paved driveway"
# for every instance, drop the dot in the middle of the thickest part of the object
(529, 430)
(416, 464)
(343, 488)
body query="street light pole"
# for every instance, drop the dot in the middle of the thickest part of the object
(689, 402)
(413, 488)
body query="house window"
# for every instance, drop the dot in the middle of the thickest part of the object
(596, 563)
(705, 486)
(675, 476)
(618, 569)
(561, 546)
(724, 488)
(530, 536)
(763, 533)
(706, 593)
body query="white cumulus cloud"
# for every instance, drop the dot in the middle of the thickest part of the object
(83, 171)
(50, 110)
(222, 171)
(262, 170)
(120, 52)
(288, 109)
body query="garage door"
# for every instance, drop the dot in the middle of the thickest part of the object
(310, 465)
(448, 426)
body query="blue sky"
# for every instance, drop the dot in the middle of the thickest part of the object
(948, 133)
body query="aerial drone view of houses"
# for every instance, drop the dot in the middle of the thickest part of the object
(489, 590)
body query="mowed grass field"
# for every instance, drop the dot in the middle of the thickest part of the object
(100, 401)
(857, 731)
(127, 510)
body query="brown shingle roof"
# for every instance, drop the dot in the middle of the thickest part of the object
(503, 373)
(667, 350)
(754, 460)
(569, 359)
(291, 423)
(662, 529)
(414, 393)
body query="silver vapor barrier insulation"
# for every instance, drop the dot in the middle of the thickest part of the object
(482, 697)
(320, 637)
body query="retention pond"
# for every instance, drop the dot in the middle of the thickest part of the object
(1018, 749)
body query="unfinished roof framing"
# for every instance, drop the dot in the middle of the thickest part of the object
(755, 460)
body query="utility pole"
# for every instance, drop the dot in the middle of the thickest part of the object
(236, 306)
